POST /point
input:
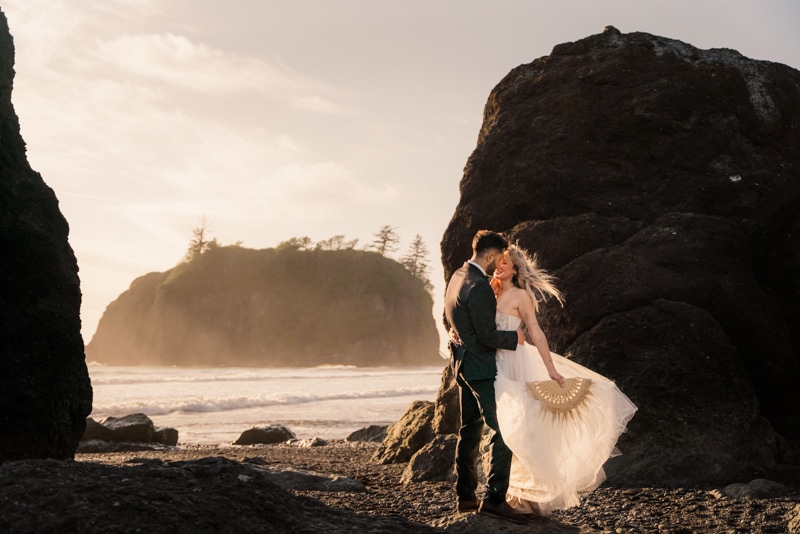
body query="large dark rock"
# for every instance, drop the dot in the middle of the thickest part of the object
(136, 427)
(271, 307)
(45, 393)
(96, 431)
(661, 185)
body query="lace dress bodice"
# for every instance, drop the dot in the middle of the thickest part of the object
(505, 321)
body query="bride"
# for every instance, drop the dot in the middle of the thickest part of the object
(558, 454)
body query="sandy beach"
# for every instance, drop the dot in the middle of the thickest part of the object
(218, 489)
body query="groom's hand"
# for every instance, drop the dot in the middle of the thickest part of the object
(520, 337)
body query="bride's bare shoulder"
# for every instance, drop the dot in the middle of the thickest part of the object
(521, 297)
(519, 293)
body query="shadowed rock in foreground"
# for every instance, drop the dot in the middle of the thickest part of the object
(212, 494)
(661, 185)
(45, 393)
(237, 489)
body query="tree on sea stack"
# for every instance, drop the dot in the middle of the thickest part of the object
(200, 243)
(386, 240)
(415, 260)
(336, 242)
(295, 243)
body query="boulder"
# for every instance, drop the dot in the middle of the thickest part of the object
(660, 184)
(166, 436)
(408, 435)
(433, 462)
(45, 393)
(265, 435)
(133, 432)
(96, 431)
(133, 428)
(698, 416)
(372, 433)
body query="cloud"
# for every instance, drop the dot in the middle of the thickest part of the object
(190, 66)
(319, 104)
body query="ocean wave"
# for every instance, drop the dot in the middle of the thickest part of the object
(160, 406)
(132, 376)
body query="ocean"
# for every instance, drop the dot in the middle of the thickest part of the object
(214, 405)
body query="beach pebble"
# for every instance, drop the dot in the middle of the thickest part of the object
(312, 442)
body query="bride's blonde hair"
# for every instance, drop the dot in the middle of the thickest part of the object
(536, 282)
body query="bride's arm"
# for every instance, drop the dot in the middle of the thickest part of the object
(528, 314)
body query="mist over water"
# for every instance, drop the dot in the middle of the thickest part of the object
(213, 405)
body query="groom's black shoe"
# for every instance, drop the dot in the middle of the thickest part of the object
(467, 505)
(502, 511)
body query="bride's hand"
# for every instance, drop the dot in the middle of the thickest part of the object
(454, 336)
(495, 283)
(554, 375)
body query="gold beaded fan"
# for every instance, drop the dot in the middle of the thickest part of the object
(561, 400)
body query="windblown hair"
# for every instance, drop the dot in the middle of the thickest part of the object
(536, 282)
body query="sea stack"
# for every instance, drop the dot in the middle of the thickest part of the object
(660, 183)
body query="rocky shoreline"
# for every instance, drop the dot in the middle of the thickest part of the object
(337, 488)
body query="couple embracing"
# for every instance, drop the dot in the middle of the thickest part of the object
(540, 457)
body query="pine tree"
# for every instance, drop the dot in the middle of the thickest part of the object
(199, 243)
(415, 261)
(386, 240)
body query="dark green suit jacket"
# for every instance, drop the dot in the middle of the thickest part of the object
(469, 307)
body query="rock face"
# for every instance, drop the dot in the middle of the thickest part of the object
(661, 185)
(408, 435)
(45, 393)
(272, 307)
(434, 461)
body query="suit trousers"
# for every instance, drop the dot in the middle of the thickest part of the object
(478, 406)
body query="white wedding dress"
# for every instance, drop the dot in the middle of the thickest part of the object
(556, 457)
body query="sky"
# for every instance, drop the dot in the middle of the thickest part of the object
(279, 119)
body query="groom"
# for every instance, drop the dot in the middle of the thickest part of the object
(470, 308)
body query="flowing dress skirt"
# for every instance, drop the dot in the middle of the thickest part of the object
(557, 457)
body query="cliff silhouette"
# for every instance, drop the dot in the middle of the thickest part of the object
(45, 393)
(236, 306)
